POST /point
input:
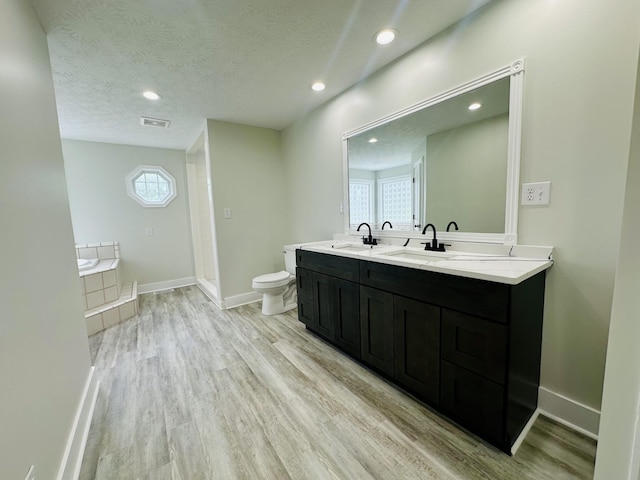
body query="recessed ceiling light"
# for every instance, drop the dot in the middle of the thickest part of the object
(317, 86)
(474, 106)
(386, 36)
(373, 140)
(150, 95)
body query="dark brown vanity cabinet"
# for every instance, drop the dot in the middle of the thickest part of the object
(328, 304)
(376, 323)
(401, 338)
(469, 348)
(416, 338)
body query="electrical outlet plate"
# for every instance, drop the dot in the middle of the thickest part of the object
(535, 193)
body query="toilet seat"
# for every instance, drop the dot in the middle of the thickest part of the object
(272, 280)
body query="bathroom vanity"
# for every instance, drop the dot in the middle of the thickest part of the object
(461, 335)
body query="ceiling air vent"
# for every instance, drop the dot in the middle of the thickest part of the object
(154, 122)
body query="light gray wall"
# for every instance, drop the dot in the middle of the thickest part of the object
(618, 455)
(102, 211)
(466, 175)
(362, 174)
(247, 177)
(395, 171)
(581, 58)
(44, 353)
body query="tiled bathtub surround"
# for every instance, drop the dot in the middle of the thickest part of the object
(106, 300)
(101, 251)
(105, 316)
(101, 284)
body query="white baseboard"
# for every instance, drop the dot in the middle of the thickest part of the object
(157, 286)
(242, 299)
(77, 441)
(210, 295)
(568, 412)
(524, 432)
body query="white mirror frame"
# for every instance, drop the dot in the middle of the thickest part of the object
(515, 70)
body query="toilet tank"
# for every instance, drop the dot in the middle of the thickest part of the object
(290, 258)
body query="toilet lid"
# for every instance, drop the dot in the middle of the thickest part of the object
(272, 277)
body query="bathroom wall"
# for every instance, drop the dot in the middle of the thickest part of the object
(246, 171)
(463, 165)
(44, 353)
(618, 455)
(580, 75)
(395, 171)
(102, 211)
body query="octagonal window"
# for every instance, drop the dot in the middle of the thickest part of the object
(151, 186)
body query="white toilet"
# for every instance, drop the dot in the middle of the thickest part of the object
(278, 290)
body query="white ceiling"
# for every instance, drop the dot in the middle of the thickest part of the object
(242, 61)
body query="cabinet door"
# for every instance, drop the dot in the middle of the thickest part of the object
(376, 323)
(474, 401)
(305, 310)
(304, 282)
(323, 305)
(417, 347)
(347, 316)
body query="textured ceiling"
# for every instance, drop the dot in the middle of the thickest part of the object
(243, 61)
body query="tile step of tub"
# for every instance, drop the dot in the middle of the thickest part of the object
(112, 313)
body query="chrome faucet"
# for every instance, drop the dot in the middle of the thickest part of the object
(390, 226)
(452, 223)
(367, 240)
(433, 246)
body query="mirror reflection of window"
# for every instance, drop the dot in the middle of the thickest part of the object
(396, 205)
(360, 201)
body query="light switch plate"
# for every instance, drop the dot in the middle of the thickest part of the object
(227, 213)
(536, 193)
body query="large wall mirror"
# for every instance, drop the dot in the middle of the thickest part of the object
(453, 157)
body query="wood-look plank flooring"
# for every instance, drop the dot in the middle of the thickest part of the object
(190, 392)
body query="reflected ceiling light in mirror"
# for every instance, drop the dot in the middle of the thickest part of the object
(386, 36)
(475, 106)
(149, 95)
(373, 140)
(317, 86)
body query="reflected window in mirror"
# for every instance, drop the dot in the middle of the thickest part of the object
(360, 201)
(395, 201)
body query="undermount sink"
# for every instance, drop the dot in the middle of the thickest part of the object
(352, 247)
(416, 255)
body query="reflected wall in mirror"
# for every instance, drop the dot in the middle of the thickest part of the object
(453, 160)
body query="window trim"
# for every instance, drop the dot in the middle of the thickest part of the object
(130, 181)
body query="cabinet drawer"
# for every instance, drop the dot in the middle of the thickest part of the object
(474, 401)
(303, 282)
(333, 265)
(476, 297)
(475, 344)
(305, 311)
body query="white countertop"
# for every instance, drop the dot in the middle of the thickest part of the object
(502, 268)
